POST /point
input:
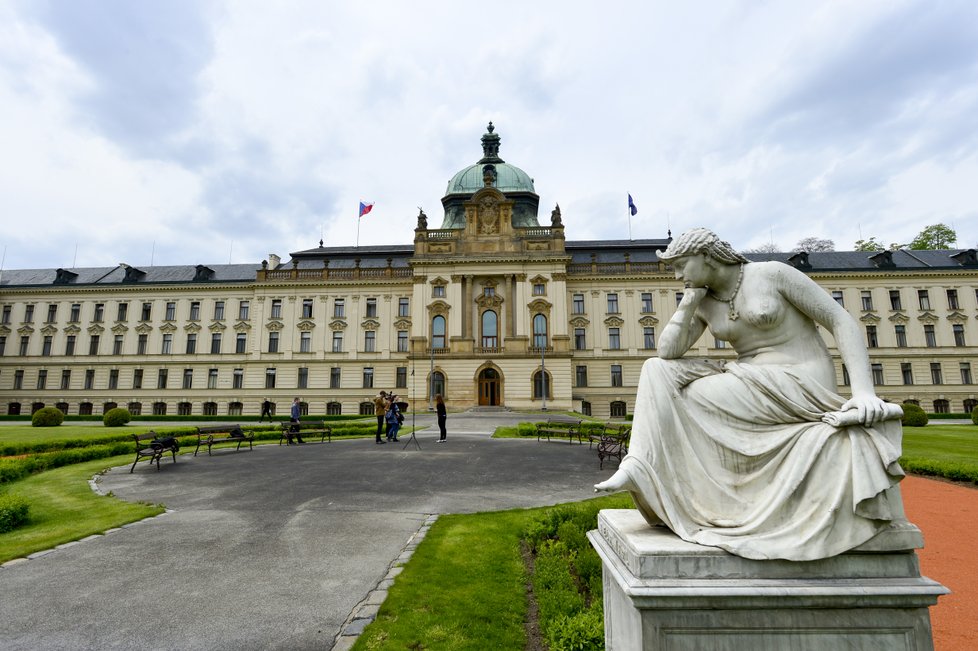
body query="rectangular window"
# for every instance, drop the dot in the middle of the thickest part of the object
(648, 334)
(243, 307)
(489, 291)
(65, 379)
(191, 343)
(539, 289)
(936, 375)
(901, 335)
(99, 315)
(839, 298)
(368, 378)
(302, 381)
(400, 377)
(923, 298)
(93, 345)
(52, 313)
(403, 307)
(269, 378)
(906, 370)
(237, 378)
(6, 313)
(965, 372)
(89, 379)
(42, 379)
(334, 377)
(171, 311)
(161, 378)
(188, 378)
(122, 312)
(18, 379)
(137, 378)
(871, 339)
(958, 330)
(147, 312)
(369, 341)
(29, 314)
(896, 303)
(402, 341)
(845, 376)
(719, 343)
(241, 343)
(195, 310)
(867, 299)
(339, 308)
(578, 304)
(276, 309)
(614, 338)
(438, 291)
(141, 343)
(647, 303)
(218, 310)
(25, 341)
(273, 342)
(167, 346)
(46, 345)
(616, 379)
(3, 344)
(307, 308)
(117, 342)
(305, 342)
(612, 303)
(212, 378)
(114, 378)
(581, 376)
(930, 337)
(952, 299)
(579, 340)
(877, 374)
(337, 341)
(371, 307)
(215, 343)
(679, 298)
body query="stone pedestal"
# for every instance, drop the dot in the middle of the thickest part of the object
(661, 592)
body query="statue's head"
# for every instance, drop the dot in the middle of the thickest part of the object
(701, 240)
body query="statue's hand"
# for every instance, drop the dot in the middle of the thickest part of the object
(693, 296)
(869, 408)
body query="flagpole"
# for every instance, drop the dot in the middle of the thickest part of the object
(358, 231)
(629, 209)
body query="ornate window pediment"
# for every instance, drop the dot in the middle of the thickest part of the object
(27, 330)
(953, 317)
(899, 317)
(50, 330)
(120, 329)
(242, 326)
(192, 327)
(337, 324)
(579, 322)
(96, 329)
(370, 324)
(928, 317)
(869, 317)
(142, 328)
(489, 301)
(438, 307)
(402, 324)
(648, 321)
(168, 328)
(305, 325)
(274, 326)
(614, 322)
(217, 326)
(540, 306)
(4, 330)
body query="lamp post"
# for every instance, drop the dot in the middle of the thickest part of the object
(543, 373)
(431, 380)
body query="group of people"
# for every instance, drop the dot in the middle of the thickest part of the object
(389, 416)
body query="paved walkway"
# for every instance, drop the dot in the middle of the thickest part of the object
(273, 549)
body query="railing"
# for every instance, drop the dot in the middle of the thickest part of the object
(542, 231)
(616, 268)
(437, 351)
(494, 350)
(335, 274)
(545, 349)
(442, 234)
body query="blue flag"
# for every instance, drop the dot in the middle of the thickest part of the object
(631, 205)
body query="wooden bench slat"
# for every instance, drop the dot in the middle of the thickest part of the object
(307, 428)
(213, 435)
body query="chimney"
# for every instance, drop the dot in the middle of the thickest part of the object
(273, 261)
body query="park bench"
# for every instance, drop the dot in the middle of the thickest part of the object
(211, 436)
(306, 429)
(560, 427)
(151, 446)
(612, 441)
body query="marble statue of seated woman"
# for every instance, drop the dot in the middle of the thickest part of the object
(760, 456)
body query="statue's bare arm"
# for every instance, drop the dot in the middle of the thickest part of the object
(685, 326)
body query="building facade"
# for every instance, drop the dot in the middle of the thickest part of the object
(491, 308)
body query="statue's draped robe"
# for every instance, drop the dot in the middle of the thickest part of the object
(735, 456)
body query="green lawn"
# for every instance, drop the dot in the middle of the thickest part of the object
(949, 451)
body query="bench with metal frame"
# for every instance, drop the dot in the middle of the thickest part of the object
(211, 436)
(560, 427)
(150, 446)
(305, 429)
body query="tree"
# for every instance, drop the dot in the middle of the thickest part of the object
(814, 245)
(771, 247)
(936, 236)
(872, 244)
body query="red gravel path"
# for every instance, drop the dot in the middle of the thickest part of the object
(947, 514)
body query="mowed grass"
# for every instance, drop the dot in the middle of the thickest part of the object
(25, 434)
(64, 508)
(949, 451)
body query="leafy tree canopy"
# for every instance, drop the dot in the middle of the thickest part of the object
(814, 245)
(771, 247)
(872, 244)
(936, 236)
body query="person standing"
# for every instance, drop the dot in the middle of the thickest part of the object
(442, 416)
(393, 418)
(294, 429)
(380, 409)
(266, 410)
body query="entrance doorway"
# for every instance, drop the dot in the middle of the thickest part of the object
(489, 388)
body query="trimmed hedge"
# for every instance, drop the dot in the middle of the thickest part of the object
(974, 415)
(945, 469)
(47, 417)
(116, 417)
(913, 416)
(13, 512)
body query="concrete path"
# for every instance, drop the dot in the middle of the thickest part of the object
(273, 549)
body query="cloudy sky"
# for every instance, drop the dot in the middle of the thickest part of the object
(186, 132)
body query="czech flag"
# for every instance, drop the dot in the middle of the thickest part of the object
(631, 205)
(365, 208)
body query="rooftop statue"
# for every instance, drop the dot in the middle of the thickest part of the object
(760, 456)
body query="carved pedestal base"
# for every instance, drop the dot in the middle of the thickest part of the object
(661, 592)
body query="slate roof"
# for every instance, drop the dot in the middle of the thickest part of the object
(169, 274)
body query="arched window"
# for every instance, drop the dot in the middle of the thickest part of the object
(210, 409)
(969, 405)
(184, 408)
(366, 409)
(586, 408)
(13, 409)
(108, 407)
(618, 409)
(63, 407)
(541, 385)
(159, 409)
(942, 406)
(437, 384)
(438, 332)
(490, 338)
(36, 407)
(235, 408)
(303, 408)
(539, 331)
(334, 409)
(911, 401)
(85, 409)
(135, 408)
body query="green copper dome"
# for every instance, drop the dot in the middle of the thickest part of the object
(493, 171)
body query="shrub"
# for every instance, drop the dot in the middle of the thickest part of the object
(116, 417)
(974, 415)
(913, 416)
(47, 417)
(13, 512)
(583, 631)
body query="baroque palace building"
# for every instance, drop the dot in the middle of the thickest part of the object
(492, 309)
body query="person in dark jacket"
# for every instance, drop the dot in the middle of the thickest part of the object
(442, 416)
(266, 410)
(294, 426)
